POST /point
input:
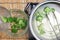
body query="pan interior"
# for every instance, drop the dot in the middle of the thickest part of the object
(49, 32)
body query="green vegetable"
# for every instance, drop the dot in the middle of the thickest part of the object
(19, 19)
(42, 14)
(15, 19)
(4, 19)
(14, 29)
(52, 9)
(22, 23)
(10, 19)
(37, 13)
(14, 26)
(39, 18)
(19, 23)
(41, 29)
(47, 9)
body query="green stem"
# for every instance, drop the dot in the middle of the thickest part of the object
(52, 26)
(56, 21)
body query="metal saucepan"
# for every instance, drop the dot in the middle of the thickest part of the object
(33, 24)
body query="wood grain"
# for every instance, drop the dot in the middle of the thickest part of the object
(22, 1)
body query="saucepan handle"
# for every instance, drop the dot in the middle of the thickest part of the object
(29, 7)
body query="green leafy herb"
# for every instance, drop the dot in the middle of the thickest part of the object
(22, 23)
(19, 23)
(41, 29)
(37, 13)
(40, 15)
(14, 19)
(52, 9)
(47, 9)
(10, 19)
(39, 18)
(14, 28)
(4, 19)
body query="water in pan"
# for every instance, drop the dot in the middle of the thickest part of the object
(49, 33)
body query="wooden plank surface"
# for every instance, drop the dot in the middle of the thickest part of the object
(21, 1)
(21, 5)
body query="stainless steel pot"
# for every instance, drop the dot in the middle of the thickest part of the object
(41, 6)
